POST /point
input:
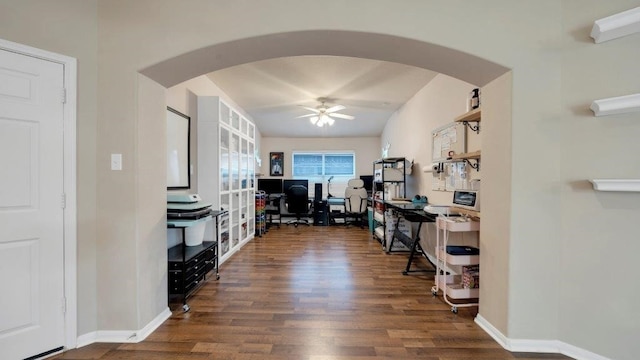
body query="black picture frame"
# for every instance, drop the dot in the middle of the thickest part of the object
(276, 164)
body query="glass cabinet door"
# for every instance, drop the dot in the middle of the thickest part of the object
(251, 166)
(235, 162)
(235, 120)
(244, 126)
(251, 212)
(235, 219)
(252, 131)
(224, 113)
(224, 159)
(223, 227)
(244, 165)
(243, 215)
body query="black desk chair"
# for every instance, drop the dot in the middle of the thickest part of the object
(272, 208)
(298, 203)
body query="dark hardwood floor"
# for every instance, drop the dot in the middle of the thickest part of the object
(314, 293)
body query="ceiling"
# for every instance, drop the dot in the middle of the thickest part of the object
(273, 92)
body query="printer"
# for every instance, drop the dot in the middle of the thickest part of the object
(187, 207)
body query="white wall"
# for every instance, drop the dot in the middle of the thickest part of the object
(409, 131)
(597, 241)
(72, 30)
(366, 149)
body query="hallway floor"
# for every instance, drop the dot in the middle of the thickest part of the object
(314, 293)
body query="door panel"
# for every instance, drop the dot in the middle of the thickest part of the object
(31, 213)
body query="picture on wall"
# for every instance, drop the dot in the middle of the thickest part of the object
(276, 164)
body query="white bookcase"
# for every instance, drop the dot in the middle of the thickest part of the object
(226, 171)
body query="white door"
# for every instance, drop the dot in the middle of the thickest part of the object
(31, 213)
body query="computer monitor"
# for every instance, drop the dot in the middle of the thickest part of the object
(270, 186)
(368, 182)
(287, 183)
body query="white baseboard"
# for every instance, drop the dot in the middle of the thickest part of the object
(123, 336)
(536, 346)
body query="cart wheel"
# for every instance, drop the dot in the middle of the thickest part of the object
(404, 272)
(185, 308)
(434, 292)
(217, 276)
(454, 309)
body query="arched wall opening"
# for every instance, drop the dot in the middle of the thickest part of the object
(457, 64)
(495, 79)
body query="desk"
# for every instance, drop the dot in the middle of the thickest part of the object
(413, 213)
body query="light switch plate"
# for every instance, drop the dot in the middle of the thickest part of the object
(116, 161)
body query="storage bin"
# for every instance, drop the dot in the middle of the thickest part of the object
(194, 235)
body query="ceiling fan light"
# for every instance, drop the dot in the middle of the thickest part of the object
(320, 124)
(313, 120)
(330, 121)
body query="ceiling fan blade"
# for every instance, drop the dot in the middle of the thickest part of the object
(342, 116)
(335, 108)
(311, 109)
(304, 116)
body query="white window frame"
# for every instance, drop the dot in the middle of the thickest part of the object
(323, 177)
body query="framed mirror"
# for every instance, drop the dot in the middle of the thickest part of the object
(178, 156)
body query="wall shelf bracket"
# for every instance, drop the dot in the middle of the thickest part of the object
(474, 165)
(475, 127)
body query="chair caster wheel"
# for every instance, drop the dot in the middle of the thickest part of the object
(185, 308)
(454, 310)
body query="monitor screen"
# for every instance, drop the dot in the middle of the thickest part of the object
(288, 182)
(368, 182)
(270, 186)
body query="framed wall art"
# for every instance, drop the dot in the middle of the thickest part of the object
(276, 164)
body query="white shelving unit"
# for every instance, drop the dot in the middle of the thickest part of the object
(451, 285)
(226, 171)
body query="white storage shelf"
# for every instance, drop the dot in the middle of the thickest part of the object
(451, 286)
(379, 232)
(379, 217)
(456, 291)
(452, 225)
(458, 259)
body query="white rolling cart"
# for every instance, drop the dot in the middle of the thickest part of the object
(451, 285)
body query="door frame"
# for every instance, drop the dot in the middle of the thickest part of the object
(69, 163)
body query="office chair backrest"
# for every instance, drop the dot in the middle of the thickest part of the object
(355, 196)
(297, 199)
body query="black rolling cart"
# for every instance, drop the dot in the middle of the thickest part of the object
(189, 266)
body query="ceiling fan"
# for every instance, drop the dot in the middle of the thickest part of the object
(323, 115)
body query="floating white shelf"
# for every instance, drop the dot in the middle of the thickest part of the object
(615, 26)
(616, 184)
(616, 105)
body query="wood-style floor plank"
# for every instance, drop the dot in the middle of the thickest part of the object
(314, 293)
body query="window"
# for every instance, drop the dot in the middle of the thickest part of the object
(314, 164)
